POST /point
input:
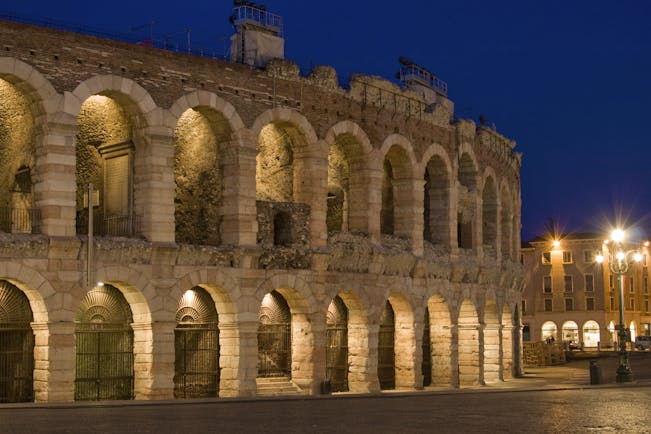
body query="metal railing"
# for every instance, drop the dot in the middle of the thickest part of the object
(19, 220)
(416, 73)
(257, 16)
(112, 226)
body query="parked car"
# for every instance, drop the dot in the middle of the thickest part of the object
(643, 343)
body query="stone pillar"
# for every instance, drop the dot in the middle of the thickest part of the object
(311, 187)
(303, 346)
(492, 371)
(373, 384)
(239, 216)
(442, 355)
(406, 351)
(54, 180)
(143, 356)
(162, 369)
(154, 184)
(409, 211)
(373, 176)
(54, 361)
(229, 360)
(248, 360)
(468, 351)
(362, 378)
(506, 334)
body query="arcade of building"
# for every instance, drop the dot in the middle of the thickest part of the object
(242, 232)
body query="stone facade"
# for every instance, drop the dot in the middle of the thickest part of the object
(238, 181)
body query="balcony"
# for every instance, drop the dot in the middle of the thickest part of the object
(110, 226)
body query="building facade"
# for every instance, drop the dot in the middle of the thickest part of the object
(570, 297)
(181, 226)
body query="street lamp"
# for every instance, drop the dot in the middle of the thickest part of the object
(619, 261)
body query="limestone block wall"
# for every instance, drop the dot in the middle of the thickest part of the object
(262, 140)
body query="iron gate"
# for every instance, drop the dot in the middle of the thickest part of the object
(427, 352)
(337, 345)
(16, 346)
(386, 355)
(104, 365)
(104, 338)
(274, 337)
(196, 364)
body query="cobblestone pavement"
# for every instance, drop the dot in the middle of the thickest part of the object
(555, 399)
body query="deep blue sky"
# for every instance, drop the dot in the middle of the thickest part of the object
(570, 81)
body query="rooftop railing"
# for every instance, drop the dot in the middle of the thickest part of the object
(257, 16)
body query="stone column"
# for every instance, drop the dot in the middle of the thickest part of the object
(468, 350)
(154, 184)
(303, 346)
(143, 356)
(373, 382)
(506, 333)
(54, 361)
(362, 378)
(409, 211)
(248, 360)
(162, 369)
(54, 180)
(239, 216)
(492, 368)
(311, 187)
(373, 176)
(442, 355)
(229, 360)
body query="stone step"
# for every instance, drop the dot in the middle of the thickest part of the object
(277, 386)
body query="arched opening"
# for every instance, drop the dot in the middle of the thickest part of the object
(591, 334)
(196, 346)
(468, 348)
(526, 333)
(549, 330)
(338, 186)
(104, 337)
(632, 331)
(387, 216)
(505, 223)
(16, 346)
(274, 175)
(198, 137)
(274, 337)
(466, 207)
(436, 225)
(570, 331)
(386, 364)
(426, 367)
(337, 345)
(489, 217)
(105, 157)
(440, 329)
(282, 229)
(17, 136)
(491, 343)
(613, 334)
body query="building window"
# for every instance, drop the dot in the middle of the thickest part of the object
(567, 280)
(611, 280)
(631, 286)
(589, 303)
(588, 256)
(631, 303)
(567, 257)
(547, 284)
(548, 305)
(589, 282)
(646, 306)
(524, 307)
(646, 284)
(547, 258)
(569, 304)
(612, 303)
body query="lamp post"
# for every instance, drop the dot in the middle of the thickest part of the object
(619, 261)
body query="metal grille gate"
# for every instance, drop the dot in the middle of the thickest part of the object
(104, 338)
(386, 355)
(196, 365)
(274, 337)
(337, 345)
(427, 351)
(16, 346)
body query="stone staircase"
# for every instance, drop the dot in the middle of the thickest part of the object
(277, 386)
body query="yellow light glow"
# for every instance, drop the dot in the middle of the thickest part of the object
(599, 258)
(637, 256)
(618, 235)
(556, 243)
(646, 244)
(620, 256)
(100, 284)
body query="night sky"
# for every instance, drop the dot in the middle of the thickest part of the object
(570, 81)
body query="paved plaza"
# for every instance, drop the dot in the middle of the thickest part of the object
(556, 399)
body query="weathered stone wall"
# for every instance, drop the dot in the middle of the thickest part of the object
(203, 131)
